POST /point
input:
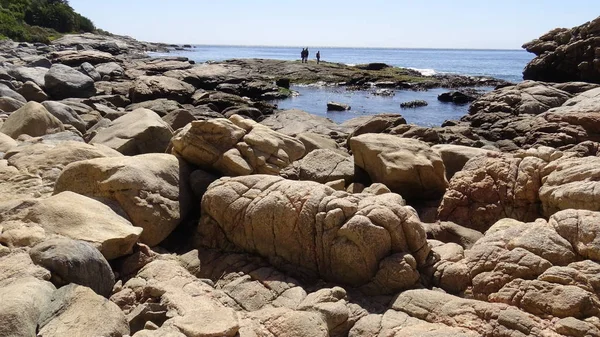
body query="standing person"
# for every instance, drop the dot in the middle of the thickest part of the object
(302, 55)
(306, 58)
(318, 56)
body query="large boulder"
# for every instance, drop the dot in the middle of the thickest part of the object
(110, 69)
(22, 304)
(153, 87)
(17, 184)
(6, 142)
(34, 74)
(564, 55)
(380, 123)
(5, 91)
(194, 307)
(72, 261)
(161, 106)
(139, 131)
(152, 189)
(68, 214)
(456, 156)
(236, 146)
(322, 166)
(47, 160)
(9, 105)
(33, 120)
(76, 57)
(65, 114)
(78, 311)
(63, 82)
(528, 97)
(358, 239)
(491, 187)
(294, 122)
(570, 183)
(33, 92)
(407, 166)
(463, 317)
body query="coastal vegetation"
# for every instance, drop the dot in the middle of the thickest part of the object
(40, 20)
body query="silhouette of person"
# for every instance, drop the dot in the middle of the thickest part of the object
(302, 55)
(318, 56)
(306, 58)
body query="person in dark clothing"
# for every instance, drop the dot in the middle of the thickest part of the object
(306, 58)
(302, 55)
(318, 56)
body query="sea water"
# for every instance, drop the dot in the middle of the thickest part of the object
(503, 64)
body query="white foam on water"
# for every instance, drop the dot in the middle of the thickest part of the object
(425, 72)
(350, 64)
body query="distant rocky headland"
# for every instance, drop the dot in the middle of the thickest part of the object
(158, 197)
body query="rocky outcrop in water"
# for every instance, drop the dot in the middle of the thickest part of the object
(564, 55)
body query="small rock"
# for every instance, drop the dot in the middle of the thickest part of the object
(333, 106)
(413, 104)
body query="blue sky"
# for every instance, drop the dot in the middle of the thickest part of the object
(486, 24)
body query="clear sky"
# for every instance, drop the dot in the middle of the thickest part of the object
(501, 24)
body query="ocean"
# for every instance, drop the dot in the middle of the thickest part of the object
(503, 64)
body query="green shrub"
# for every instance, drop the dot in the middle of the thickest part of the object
(18, 19)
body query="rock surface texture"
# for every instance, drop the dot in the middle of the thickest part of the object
(152, 196)
(566, 54)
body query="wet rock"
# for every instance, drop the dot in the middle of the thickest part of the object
(456, 97)
(413, 104)
(333, 106)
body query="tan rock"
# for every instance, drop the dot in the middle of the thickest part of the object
(493, 187)
(236, 146)
(580, 228)
(313, 141)
(152, 87)
(18, 265)
(321, 166)
(48, 160)
(406, 166)
(486, 319)
(292, 222)
(195, 308)
(545, 298)
(399, 324)
(570, 183)
(139, 131)
(17, 184)
(22, 303)
(78, 311)
(456, 156)
(6, 142)
(153, 189)
(33, 120)
(78, 217)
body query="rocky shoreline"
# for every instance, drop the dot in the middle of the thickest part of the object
(157, 197)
